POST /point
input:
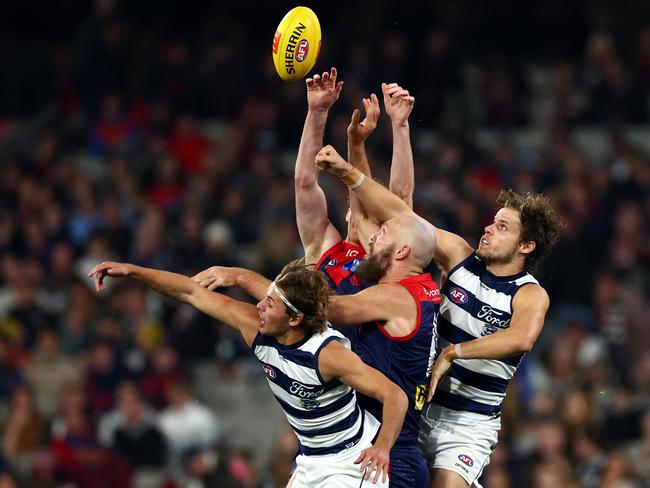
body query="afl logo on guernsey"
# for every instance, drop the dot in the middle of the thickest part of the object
(458, 295)
(270, 372)
(331, 263)
(466, 460)
(301, 50)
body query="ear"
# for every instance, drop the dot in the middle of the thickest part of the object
(527, 247)
(295, 321)
(403, 252)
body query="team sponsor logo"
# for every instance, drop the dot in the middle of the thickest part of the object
(305, 391)
(420, 396)
(352, 265)
(465, 459)
(332, 262)
(270, 372)
(434, 294)
(301, 50)
(494, 319)
(458, 295)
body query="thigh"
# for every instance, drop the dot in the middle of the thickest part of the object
(460, 449)
(443, 478)
(408, 469)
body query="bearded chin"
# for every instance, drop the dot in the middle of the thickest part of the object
(375, 267)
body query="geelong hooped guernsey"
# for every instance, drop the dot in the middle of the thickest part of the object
(339, 264)
(476, 303)
(404, 360)
(325, 416)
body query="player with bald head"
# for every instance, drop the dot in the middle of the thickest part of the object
(491, 313)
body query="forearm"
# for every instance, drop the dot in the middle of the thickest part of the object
(253, 283)
(499, 345)
(402, 176)
(395, 405)
(379, 202)
(172, 285)
(306, 173)
(358, 158)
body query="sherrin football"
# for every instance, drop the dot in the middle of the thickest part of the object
(296, 43)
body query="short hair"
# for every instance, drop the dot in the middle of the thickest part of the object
(308, 291)
(539, 223)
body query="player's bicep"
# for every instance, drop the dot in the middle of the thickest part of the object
(234, 313)
(376, 303)
(529, 308)
(451, 249)
(314, 226)
(336, 361)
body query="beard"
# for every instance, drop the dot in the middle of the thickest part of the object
(375, 266)
(500, 257)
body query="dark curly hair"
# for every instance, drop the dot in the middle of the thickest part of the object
(308, 291)
(539, 223)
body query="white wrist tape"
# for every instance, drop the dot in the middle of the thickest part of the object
(459, 354)
(358, 182)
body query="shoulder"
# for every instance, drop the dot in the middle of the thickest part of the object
(531, 295)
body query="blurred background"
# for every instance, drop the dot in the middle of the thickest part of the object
(157, 132)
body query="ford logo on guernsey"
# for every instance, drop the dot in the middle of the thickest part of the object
(458, 295)
(270, 372)
(465, 459)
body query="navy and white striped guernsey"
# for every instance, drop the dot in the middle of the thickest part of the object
(325, 416)
(476, 303)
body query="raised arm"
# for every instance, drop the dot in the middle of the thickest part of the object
(363, 225)
(251, 282)
(238, 315)
(398, 104)
(529, 307)
(384, 205)
(337, 362)
(316, 231)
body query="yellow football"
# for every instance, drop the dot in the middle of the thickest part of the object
(296, 43)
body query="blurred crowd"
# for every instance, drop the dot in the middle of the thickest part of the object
(175, 150)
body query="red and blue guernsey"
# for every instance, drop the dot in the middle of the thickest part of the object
(405, 361)
(338, 264)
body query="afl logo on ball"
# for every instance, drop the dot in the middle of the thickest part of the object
(465, 459)
(458, 295)
(270, 372)
(301, 50)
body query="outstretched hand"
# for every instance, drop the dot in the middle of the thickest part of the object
(107, 268)
(358, 131)
(377, 459)
(329, 160)
(398, 103)
(216, 277)
(323, 90)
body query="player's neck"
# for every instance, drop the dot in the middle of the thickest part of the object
(505, 269)
(291, 336)
(400, 270)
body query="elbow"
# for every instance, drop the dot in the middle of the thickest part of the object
(304, 180)
(524, 345)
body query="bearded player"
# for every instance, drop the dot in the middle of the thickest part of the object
(492, 312)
